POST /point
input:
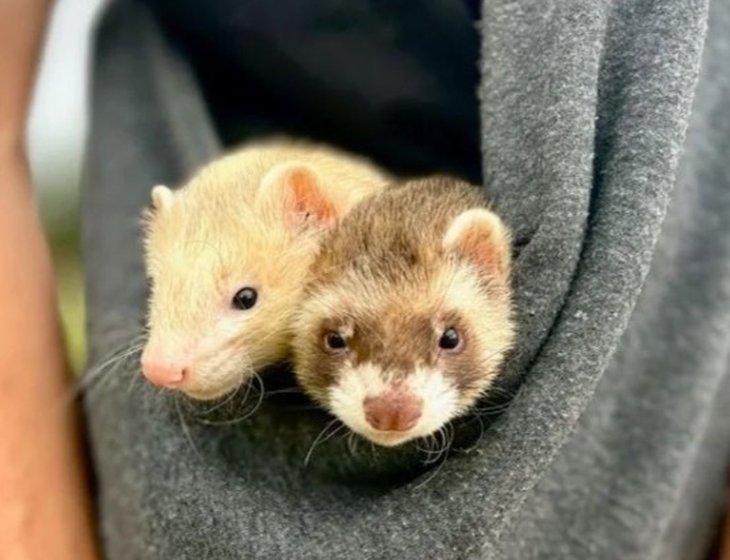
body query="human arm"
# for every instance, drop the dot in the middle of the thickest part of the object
(43, 488)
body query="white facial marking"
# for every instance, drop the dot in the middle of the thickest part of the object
(346, 397)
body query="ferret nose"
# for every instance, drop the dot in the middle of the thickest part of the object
(395, 410)
(163, 373)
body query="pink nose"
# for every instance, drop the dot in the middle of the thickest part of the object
(162, 373)
(394, 410)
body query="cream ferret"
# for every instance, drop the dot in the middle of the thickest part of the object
(228, 256)
(407, 316)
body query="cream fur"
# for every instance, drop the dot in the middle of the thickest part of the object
(221, 232)
(161, 197)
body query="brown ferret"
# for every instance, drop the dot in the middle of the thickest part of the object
(407, 316)
(228, 256)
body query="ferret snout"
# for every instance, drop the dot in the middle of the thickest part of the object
(180, 365)
(394, 410)
(162, 371)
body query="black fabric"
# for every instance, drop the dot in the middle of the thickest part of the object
(376, 77)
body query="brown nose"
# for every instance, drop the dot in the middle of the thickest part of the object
(394, 410)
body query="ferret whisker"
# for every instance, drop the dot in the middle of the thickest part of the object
(432, 443)
(431, 453)
(433, 473)
(237, 419)
(492, 354)
(346, 433)
(352, 441)
(225, 400)
(447, 435)
(373, 450)
(103, 370)
(501, 391)
(134, 379)
(474, 445)
(442, 456)
(429, 441)
(248, 384)
(289, 390)
(184, 425)
(491, 409)
(262, 391)
(114, 356)
(436, 454)
(322, 437)
(159, 398)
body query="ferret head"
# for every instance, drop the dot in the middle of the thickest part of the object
(227, 264)
(399, 339)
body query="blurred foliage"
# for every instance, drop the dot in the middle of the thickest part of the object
(64, 238)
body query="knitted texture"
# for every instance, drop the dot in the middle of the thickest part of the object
(604, 129)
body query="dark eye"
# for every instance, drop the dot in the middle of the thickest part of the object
(245, 298)
(334, 341)
(449, 339)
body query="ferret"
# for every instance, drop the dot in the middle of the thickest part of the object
(227, 256)
(407, 315)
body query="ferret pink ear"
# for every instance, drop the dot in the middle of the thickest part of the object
(299, 191)
(480, 236)
(161, 197)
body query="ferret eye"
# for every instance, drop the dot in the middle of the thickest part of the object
(333, 341)
(245, 298)
(450, 339)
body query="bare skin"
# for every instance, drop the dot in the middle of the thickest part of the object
(43, 484)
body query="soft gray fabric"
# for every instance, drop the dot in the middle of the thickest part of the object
(616, 442)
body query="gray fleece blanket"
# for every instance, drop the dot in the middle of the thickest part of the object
(605, 131)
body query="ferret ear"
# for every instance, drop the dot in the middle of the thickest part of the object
(298, 191)
(161, 197)
(480, 236)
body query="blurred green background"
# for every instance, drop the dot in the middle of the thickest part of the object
(56, 137)
(63, 235)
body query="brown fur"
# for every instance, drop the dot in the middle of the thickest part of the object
(387, 276)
